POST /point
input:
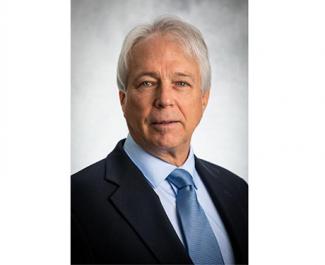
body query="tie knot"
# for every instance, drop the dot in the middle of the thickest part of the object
(180, 178)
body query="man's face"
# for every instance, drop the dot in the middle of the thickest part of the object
(164, 102)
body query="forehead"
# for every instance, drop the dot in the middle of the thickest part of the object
(159, 49)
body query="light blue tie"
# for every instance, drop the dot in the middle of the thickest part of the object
(200, 241)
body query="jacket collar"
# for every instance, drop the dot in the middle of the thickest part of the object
(140, 206)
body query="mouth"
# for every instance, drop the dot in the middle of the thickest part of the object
(164, 124)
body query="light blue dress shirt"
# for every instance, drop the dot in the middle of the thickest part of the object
(156, 171)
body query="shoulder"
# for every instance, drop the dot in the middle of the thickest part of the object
(91, 171)
(218, 170)
(96, 172)
(223, 177)
(87, 178)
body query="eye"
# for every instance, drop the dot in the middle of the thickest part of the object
(146, 84)
(182, 83)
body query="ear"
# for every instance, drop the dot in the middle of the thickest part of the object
(122, 96)
(205, 98)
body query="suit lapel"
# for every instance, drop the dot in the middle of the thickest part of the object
(140, 206)
(226, 204)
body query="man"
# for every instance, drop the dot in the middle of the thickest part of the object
(151, 200)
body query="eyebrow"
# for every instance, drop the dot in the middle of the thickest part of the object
(156, 75)
(152, 74)
(185, 75)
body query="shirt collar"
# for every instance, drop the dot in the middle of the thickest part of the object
(154, 169)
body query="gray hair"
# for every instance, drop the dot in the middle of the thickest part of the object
(188, 36)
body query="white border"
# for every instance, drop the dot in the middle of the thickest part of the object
(35, 193)
(287, 131)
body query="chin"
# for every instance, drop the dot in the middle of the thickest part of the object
(166, 142)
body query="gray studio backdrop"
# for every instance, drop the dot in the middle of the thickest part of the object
(98, 29)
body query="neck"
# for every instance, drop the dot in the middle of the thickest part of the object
(175, 156)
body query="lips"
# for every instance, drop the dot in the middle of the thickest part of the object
(163, 122)
(162, 125)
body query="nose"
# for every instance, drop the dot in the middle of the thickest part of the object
(164, 96)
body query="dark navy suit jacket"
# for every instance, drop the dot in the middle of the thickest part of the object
(118, 218)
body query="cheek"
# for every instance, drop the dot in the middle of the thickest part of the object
(137, 109)
(193, 112)
(131, 110)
